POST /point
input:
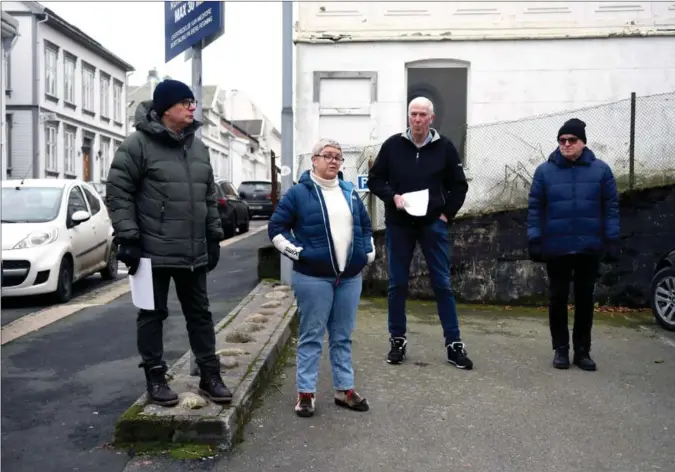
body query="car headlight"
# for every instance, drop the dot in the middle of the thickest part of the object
(38, 238)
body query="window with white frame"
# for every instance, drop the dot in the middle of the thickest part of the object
(105, 96)
(117, 101)
(69, 79)
(51, 56)
(105, 158)
(88, 88)
(51, 157)
(69, 150)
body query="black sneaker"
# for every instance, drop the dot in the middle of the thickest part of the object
(457, 356)
(398, 349)
(561, 358)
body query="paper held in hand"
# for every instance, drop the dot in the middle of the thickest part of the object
(416, 203)
(142, 292)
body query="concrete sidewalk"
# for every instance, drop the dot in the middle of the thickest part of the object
(513, 412)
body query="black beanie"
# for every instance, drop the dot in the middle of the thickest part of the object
(575, 127)
(169, 92)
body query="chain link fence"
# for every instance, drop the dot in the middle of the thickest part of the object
(634, 136)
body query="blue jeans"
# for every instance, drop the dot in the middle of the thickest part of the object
(323, 305)
(435, 244)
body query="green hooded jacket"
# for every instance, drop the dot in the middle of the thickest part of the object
(161, 193)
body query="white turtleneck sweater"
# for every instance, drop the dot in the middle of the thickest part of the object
(339, 216)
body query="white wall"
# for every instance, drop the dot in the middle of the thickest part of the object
(507, 81)
(21, 68)
(423, 21)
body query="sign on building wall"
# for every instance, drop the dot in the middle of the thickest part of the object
(362, 183)
(188, 23)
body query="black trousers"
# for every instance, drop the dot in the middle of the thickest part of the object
(191, 292)
(582, 271)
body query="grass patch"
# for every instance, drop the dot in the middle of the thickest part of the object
(425, 312)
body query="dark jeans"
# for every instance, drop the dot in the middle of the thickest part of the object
(191, 292)
(582, 270)
(435, 244)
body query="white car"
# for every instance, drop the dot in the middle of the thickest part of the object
(54, 232)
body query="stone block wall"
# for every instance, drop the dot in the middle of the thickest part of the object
(490, 262)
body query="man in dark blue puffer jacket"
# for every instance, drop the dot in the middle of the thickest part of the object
(573, 224)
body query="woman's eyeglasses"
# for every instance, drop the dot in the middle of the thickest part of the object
(332, 157)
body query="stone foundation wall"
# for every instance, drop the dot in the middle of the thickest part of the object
(490, 262)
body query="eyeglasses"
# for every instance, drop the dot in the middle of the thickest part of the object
(189, 103)
(562, 141)
(331, 157)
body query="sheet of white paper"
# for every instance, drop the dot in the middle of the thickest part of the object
(142, 294)
(416, 203)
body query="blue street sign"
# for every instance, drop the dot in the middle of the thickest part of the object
(362, 183)
(188, 23)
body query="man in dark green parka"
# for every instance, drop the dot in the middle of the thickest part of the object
(162, 201)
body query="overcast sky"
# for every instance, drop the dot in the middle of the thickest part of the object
(246, 58)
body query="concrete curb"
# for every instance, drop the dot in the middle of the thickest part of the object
(215, 424)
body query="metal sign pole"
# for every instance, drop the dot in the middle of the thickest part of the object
(197, 91)
(287, 119)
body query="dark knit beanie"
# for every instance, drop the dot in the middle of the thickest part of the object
(575, 127)
(168, 93)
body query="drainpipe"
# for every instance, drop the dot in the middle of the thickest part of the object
(125, 105)
(36, 96)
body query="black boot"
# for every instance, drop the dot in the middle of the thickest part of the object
(211, 385)
(583, 360)
(158, 390)
(561, 359)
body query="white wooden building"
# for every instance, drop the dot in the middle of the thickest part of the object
(67, 98)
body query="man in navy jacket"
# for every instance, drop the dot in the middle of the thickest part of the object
(420, 159)
(573, 224)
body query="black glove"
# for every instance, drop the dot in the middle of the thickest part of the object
(612, 251)
(535, 250)
(129, 253)
(214, 255)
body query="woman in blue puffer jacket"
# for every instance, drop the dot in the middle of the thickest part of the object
(572, 224)
(322, 225)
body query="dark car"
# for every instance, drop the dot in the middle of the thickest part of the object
(258, 195)
(662, 291)
(234, 212)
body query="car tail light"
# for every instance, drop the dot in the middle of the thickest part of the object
(268, 196)
(222, 201)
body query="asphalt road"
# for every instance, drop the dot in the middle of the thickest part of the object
(16, 307)
(64, 386)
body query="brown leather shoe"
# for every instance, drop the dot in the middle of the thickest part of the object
(305, 405)
(351, 399)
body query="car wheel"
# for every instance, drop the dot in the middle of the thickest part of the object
(662, 293)
(243, 228)
(64, 289)
(110, 271)
(229, 229)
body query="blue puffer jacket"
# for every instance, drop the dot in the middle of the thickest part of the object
(301, 221)
(573, 207)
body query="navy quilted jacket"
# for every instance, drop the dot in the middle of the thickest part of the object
(573, 207)
(301, 221)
